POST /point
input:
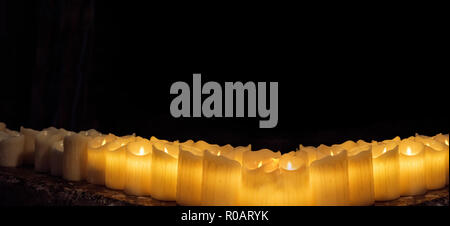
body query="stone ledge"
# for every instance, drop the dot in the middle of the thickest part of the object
(23, 186)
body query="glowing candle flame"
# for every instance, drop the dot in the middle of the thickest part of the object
(289, 166)
(122, 144)
(141, 151)
(332, 154)
(446, 142)
(165, 150)
(408, 151)
(384, 150)
(103, 142)
(259, 164)
(218, 153)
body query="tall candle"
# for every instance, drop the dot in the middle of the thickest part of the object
(435, 162)
(329, 178)
(294, 178)
(44, 142)
(412, 168)
(189, 178)
(115, 162)
(138, 168)
(75, 157)
(164, 171)
(221, 180)
(443, 138)
(386, 172)
(360, 176)
(11, 149)
(56, 158)
(29, 145)
(95, 168)
(260, 175)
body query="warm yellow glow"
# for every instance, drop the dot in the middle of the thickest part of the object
(384, 150)
(332, 154)
(408, 151)
(123, 144)
(218, 153)
(141, 151)
(259, 164)
(446, 142)
(289, 166)
(165, 150)
(104, 142)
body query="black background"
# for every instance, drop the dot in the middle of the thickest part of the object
(109, 65)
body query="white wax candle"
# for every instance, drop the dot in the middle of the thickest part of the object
(11, 149)
(435, 162)
(164, 171)
(329, 178)
(43, 144)
(386, 172)
(189, 178)
(310, 151)
(412, 168)
(29, 145)
(56, 158)
(115, 162)
(443, 138)
(95, 168)
(294, 177)
(75, 157)
(360, 176)
(259, 180)
(138, 168)
(221, 180)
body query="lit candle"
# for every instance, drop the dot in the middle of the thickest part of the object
(259, 178)
(11, 148)
(294, 178)
(329, 178)
(221, 180)
(138, 168)
(348, 145)
(164, 171)
(435, 162)
(29, 145)
(386, 172)
(443, 138)
(189, 179)
(115, 162)
(412, 168)
(56, 158)
(95, 168)
(360, 176)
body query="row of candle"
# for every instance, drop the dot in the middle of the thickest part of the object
(199, 173)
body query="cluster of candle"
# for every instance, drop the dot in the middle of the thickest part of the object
(199, 173)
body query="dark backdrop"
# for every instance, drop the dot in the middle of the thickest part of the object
(109, 65)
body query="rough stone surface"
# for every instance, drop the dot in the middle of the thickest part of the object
(23, 186)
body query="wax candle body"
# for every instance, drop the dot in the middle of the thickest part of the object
(29, 145)
(386, 172)
(164, 171)
(311, 152)
(95, 168)
(412, 168)
(294, 178)
(138, 168)
(11, 149)
(56, 158)
(260, 179)
(115, 162)
(435, 162)
(75, 157)
(443, 138)
(43, 144)
(221, 180)
(189, 178)
(360, 176)
(329, 178)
